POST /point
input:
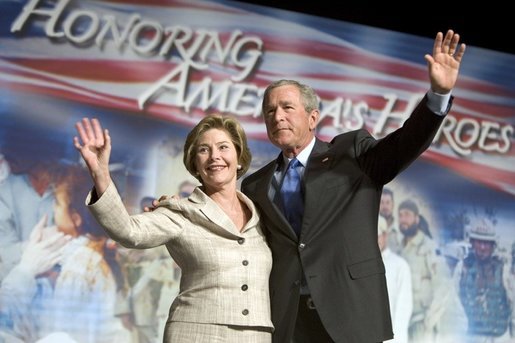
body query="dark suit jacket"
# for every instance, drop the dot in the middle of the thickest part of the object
(338, 248)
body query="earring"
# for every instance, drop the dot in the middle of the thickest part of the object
(239, 167)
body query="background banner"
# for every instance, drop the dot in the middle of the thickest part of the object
(150, 70)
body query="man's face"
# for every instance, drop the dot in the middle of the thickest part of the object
(288, 125)
(386, 206)
(482, 249)
(407, 219)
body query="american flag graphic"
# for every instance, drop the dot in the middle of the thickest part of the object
(177, 60)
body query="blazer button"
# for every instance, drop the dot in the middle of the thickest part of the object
(302, 246)
(245, 312)
(244, 287)
(241, 240)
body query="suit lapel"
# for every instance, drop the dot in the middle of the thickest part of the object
(264, 193)
(315, 179)
(223, 225)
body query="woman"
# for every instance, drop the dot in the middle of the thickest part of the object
(214, 235)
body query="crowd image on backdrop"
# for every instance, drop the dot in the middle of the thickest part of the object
(55, 260)
(463, 290)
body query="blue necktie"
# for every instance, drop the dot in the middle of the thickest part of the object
(291, 195)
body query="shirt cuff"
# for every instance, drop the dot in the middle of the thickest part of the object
(439, 103)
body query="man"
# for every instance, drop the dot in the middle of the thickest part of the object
(328, 282)
(484, 284)
(398, 281)
(430, 276)
(386, 210)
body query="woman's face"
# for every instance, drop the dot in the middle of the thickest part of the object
(216, 159)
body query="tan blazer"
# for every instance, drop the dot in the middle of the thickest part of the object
(224, 272)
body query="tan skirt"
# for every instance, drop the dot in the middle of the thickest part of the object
(183, 332)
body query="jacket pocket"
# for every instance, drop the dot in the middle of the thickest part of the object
(366, 268)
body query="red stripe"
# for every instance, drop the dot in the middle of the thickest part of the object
(492, 177)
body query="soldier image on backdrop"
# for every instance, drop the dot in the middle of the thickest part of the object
(387, 211)
(398, 281)
(484, 284)
(428, 271)
(138, 308)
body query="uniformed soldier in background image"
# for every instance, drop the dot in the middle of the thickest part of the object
(484, 284)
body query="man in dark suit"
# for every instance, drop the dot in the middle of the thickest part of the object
(328, 281)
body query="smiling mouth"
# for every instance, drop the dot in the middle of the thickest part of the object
(215, 168)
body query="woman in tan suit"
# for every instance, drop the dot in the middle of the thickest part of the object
(214, 235)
